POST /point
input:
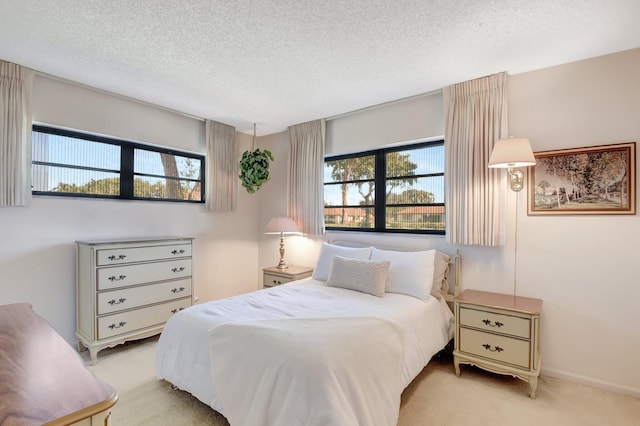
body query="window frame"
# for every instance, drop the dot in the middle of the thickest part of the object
(380, 182)
(126, 172)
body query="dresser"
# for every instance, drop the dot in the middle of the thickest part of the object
(499, 333)
(128, 289)
(276, 276)
(44, 380)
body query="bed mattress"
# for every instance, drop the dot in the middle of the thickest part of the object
(183, 354)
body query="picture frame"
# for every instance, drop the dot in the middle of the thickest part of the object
(596, 180)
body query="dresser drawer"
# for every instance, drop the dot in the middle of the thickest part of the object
(128, 298)
(496, 347)
(125, 322)
(491, 321)
(270, 280)
(141, 254)
(128, 275)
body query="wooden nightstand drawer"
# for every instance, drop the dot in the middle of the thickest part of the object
(494, 322)
(495, 347)
(269, 280)
(276, 276)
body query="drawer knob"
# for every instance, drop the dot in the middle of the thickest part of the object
(122, 323)
(114, 278)
(119, 301)
(495, 324)
(496, 349)
(177, 290)
(118, 257)
(177, 251)
(180, 269)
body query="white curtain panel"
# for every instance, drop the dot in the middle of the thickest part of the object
(221, 179)
(15, 134)
(306, 182)
(475, 118)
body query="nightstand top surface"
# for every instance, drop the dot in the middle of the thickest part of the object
(501, 301)
(291, 270)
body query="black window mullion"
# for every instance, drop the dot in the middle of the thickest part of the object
(381, 191)
(126, 172)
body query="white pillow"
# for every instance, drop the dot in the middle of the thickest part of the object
(410, 273)
(440, 269)
(366, 276)
(328, 251)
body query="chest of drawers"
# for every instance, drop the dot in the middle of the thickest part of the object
(127, 290)
(499, 333)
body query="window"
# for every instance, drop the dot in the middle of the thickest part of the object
(68, 163)
(399, 189)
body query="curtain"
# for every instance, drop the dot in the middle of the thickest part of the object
(475, 118)
(15, 134)
(221, 179)
(306, 182)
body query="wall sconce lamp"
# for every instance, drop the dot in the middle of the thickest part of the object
(511, 153)
(283, 226)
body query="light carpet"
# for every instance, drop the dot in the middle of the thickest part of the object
(435, 397)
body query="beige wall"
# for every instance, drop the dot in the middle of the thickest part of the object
(37, 251)
(584, 268)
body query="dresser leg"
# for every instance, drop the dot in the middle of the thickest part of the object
(456, 365)
(533, 385)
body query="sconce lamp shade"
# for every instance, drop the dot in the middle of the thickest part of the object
(512, 152)
(282, 225)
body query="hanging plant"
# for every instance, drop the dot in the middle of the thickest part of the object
(254, 166)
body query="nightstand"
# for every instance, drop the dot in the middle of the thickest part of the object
(499, 333)
(276, 276)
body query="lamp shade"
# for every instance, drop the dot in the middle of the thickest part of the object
(282, 225)
(512, 152)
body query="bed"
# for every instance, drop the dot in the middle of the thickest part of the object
(318, 351)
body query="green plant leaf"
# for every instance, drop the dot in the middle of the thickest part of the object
(254, 169)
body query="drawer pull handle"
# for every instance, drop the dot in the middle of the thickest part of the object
(180, 269)
(177, 251)
(114, 302)
(177, 290)
(495, 324)
(276, 282)
(488, 347)
(122, 323)
(114, 278)
(173, 311)
(118, 257)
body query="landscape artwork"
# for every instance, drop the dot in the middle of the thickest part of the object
(584, 181)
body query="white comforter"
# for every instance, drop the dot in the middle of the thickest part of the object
(183, 356)
(330, 371)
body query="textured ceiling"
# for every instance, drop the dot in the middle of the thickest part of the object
(283, 62)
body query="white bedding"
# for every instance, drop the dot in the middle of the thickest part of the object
(183, 355)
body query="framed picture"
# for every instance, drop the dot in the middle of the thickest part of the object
(584, 181)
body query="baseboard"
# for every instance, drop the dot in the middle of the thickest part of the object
(591, 382)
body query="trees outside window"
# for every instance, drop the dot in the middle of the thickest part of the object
(399, 189)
